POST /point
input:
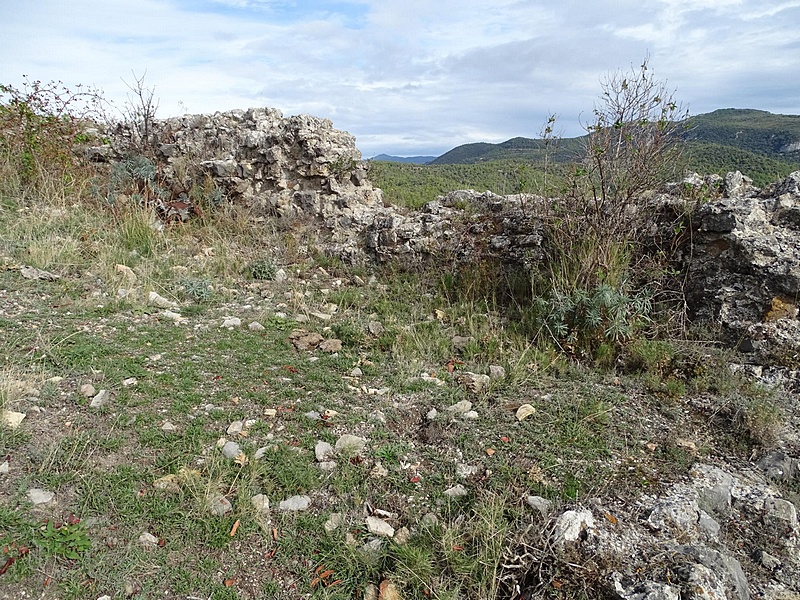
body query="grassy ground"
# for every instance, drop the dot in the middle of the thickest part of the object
(177, 386)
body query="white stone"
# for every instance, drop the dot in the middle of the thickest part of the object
(525, 411)
(295, 503)
(39, 496)
(457, 491)
(323, 451)
(260, 503)
(460, 408)
(351, 444)
(219, 505)
(129, 381)
(160, 302)
(380, 527)
(11, 418)
(231, 322)
(148, 540)
(496, 372)
(100, 399)
(256, 326)
(570, 525)
(335, 520)
(169, 427)
(87, 389)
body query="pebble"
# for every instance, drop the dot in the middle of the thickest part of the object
(235, 428)
(173, 316)
(256, 326)
(259, 454)
(331, 346)
(148, 540)
(11, 418)
(295, 503)
(159, 301)
(323, 451)
(129, 381)
(327, 465)
(471, 415)
(402, 535)
(87, 389)
(457, 491)
(543, 505)
(100, 399)
(231, 450)
(352, 444)
(356, 372)
(380, 527)
(496, 372)
(335, 520)
(39, 496)
(464, 471)
(219, 505)
(379, 471)
(260, 503)
(460, 408)
(231, 322)
(270, 412)
(4, 467)
(169, 426)
(431, 414)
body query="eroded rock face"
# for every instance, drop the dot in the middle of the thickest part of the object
(744, 267)
(291, 167)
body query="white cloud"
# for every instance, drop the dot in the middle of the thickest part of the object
(410, 75)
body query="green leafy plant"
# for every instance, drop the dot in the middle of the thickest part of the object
(69, 539)
(263, 269)
(199, 290)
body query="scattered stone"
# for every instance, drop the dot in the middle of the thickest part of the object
(380, 527)
(331, 346)
(350, 444)
(259, 454)
(376, 328)
(496, 372)
(256, 326)
(321, 315)
(379, 471)
(34, 273)
(302, 340)
(327, 465)
(313, 415)
(474, 382)
(5, 467)
(261, 503)
(471, 415)
(231, 450)
(159, 301)
(335, 520)
(356, 372)
(460, 342)
(295, 503)
(427, 378)
(270, 412)
(231, 322)
(11, 418)
(235, 428)
(100, 399)
(431, 414)
(169, 427)
(464, 471)
(280, 276)
(429, 519)
(127, 273)
(219, 505)
(457, 491)
(459, 408)
(39, 496)
(173, 316)
(129, 382)
(323, 451)
(543, 505)
(570, 526)
(148, 540)
(525, 411)
(169, 484)
(402, 536)
(87, 390)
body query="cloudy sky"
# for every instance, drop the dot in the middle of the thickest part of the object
(410, 77)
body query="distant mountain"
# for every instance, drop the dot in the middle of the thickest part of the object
(757, 131)
(761, 144)
(417, 160)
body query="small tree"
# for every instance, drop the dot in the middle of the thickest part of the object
(633, 145)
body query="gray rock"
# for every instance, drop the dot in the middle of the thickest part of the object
(542, 505)
(624, 588)
(350, 444)
(101, 398)
(261, 503)
(778, 465)
(231, 450)
(496, 372)
(461, 407)
(713, 487)
(231, 322)
(323, 451)
(218, 505)
(725, 567)
(87, 389)
(571, 526)
(295, 504)
(148, 540)
(256, 326)
(335, 520)
(704, 584)
(39, 496)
